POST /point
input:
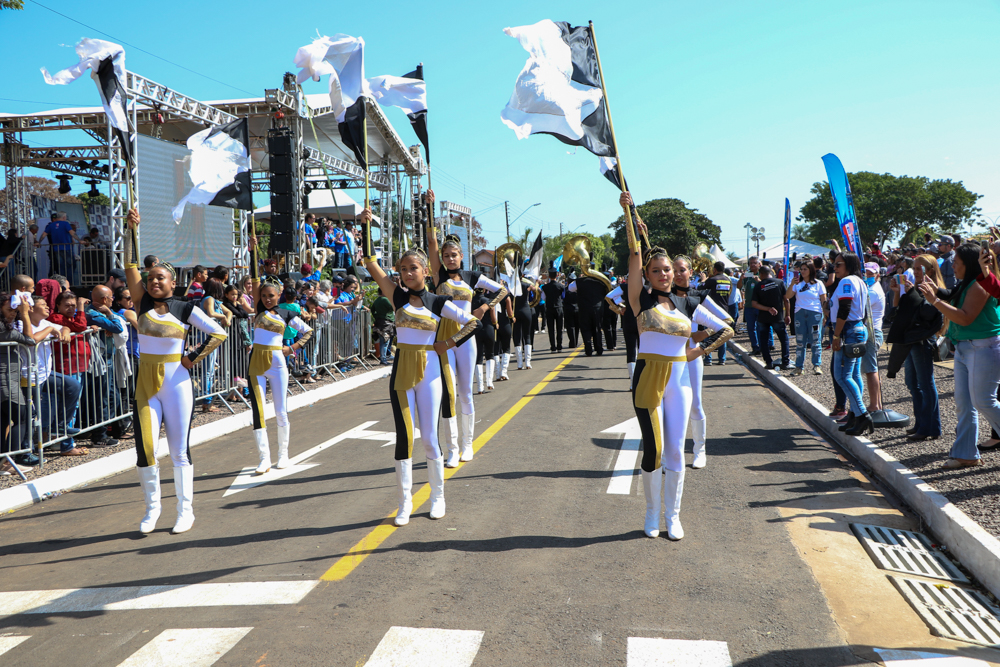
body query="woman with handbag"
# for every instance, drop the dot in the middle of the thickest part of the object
(850, 337)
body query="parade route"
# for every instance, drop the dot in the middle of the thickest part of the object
(540, 559)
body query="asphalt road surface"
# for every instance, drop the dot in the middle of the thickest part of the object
(535, 563)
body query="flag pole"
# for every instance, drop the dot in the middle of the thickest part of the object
(633, 243)
(367, 236)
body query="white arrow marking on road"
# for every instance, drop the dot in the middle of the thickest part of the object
(7, 643)
(643, 652)
(624, 471)
(246, 479)
(201, 647)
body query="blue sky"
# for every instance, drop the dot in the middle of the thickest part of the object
(727, 106)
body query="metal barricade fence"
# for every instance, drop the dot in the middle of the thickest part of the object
(336, 346)
(15, 405)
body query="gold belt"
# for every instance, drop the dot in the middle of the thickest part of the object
(653, 379)
(410, 365)
(261, 357)
(151, 372)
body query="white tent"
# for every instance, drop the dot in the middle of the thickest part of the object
(716, 252)
(776, 252)
(321, 204)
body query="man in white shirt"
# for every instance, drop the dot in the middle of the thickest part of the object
(869, 364)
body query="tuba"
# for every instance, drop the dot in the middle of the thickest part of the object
(577, 251)
(701, 259)
(509, 251)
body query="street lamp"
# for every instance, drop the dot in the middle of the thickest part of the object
(748, 227)
(757, 237)
(519, 217)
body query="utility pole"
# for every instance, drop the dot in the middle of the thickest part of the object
(506, 210)
(560, 229)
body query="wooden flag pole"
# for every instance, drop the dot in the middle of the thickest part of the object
(367, 240)
(633, 243)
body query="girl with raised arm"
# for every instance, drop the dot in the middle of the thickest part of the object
(415, 383)
(163, 391)
(452, 281)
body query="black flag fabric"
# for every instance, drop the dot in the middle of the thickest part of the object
(533, 269)
(238, 194)
(418, 119)
(352, 130)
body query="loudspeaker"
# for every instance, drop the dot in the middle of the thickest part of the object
(281, 243)
(282, 222)
(279, 142)
(279, 164)
(282, 203)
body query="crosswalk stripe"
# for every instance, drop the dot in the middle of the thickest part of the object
(200, 647)
(624, 470)
(647, 652)
(154, 597)
(7, 643)
(426, 647)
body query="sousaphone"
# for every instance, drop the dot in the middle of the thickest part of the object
(578, 251)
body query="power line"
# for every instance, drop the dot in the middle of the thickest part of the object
(133, 46)
(9, 99)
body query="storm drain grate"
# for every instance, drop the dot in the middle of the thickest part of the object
(907, 552)
(953, 612)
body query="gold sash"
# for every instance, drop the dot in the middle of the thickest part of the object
(411, 361)
(653, 379)
(151, 372)
(261, 357)
(447, 328)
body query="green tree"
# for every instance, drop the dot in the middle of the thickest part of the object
(100, 200)
(35, 185)
(11, 4)
(733, 257)
(672, 225)
(890, 206)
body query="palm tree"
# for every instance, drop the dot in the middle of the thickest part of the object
(800, 232)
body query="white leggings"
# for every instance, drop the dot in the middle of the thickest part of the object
(696, 369)
(277, 374)
(665, 429)
(462, 359)
(172, 407)
(424, 403)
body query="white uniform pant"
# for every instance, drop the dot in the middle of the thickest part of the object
(172, 406)
(664, 429)
(422, 401)
(696, 370)
(277, 375)
(462, 360)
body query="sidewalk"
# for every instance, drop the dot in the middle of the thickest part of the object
(63, 474)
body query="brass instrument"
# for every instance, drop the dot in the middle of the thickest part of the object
(577, 251)
(701, 259)
(538, 295)
(509, 251)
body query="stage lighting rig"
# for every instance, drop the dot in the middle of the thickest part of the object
(64, 180)
(93, 192)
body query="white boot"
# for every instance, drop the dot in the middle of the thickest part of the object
(698, 428)
(149, 479)
(480, 374)
(184, 488)
(497, 365)
(631, 369)
(504, 363)
(652, 484)
(435, 475)
(448, 438)
(263, 451)
(489, 373)
(520, 356)
(673, 489)
(468, 431)
(527, 356)
(404, 486)
(283, 432)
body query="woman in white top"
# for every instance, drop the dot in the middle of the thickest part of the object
(810, 299)
(415, 384)
(850, 305)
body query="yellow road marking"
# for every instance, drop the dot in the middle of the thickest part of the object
(370, 542)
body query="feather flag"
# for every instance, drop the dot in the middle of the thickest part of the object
(843, 201)
(558, 91)
(219, 166)
(106, 62)
(409, 93)
(533, 267)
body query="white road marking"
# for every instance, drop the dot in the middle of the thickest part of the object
(898, 658)
(624, 470)
(426, 647)
(246, 479)
(391, 439)
(7, 643)
(643, 652)
(154, 597)
(199, 647)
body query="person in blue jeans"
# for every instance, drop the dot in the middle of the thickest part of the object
(850, 302)
(772, 315)
(747, 283)
(810, 299)
(918, 368)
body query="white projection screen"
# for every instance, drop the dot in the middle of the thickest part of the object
(205, 233)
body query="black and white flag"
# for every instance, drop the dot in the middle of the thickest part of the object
(533, 269)
(610, 171)
(343, 58)
(409, 93)
(352, 130)
(106, 62)
(559, 90)
(219, 166)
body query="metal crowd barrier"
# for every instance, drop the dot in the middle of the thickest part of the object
(102, 380)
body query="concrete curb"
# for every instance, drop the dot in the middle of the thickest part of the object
(47, 486)
(974, 547)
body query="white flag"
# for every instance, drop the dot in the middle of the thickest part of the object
(410, 95)
(219, 166)
(342, 57)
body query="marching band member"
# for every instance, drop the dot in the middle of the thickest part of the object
(415, 384)
(661, 386)
(452, 281)
(695, 298)
(630, 329)
(163, 391)
(267, 363)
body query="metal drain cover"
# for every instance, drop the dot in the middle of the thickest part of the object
(907, 552)
(953, 612)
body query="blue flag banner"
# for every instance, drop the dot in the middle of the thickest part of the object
(557, 264)
(840, 188)
(788, 240)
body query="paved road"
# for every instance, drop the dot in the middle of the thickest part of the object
(536, 563)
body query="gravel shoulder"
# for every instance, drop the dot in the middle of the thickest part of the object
(973, 490)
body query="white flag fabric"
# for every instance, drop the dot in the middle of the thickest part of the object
(342, 57)
(410, 95)
(545, 98)
(533, 269)
(217, 158)
(509, 277)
